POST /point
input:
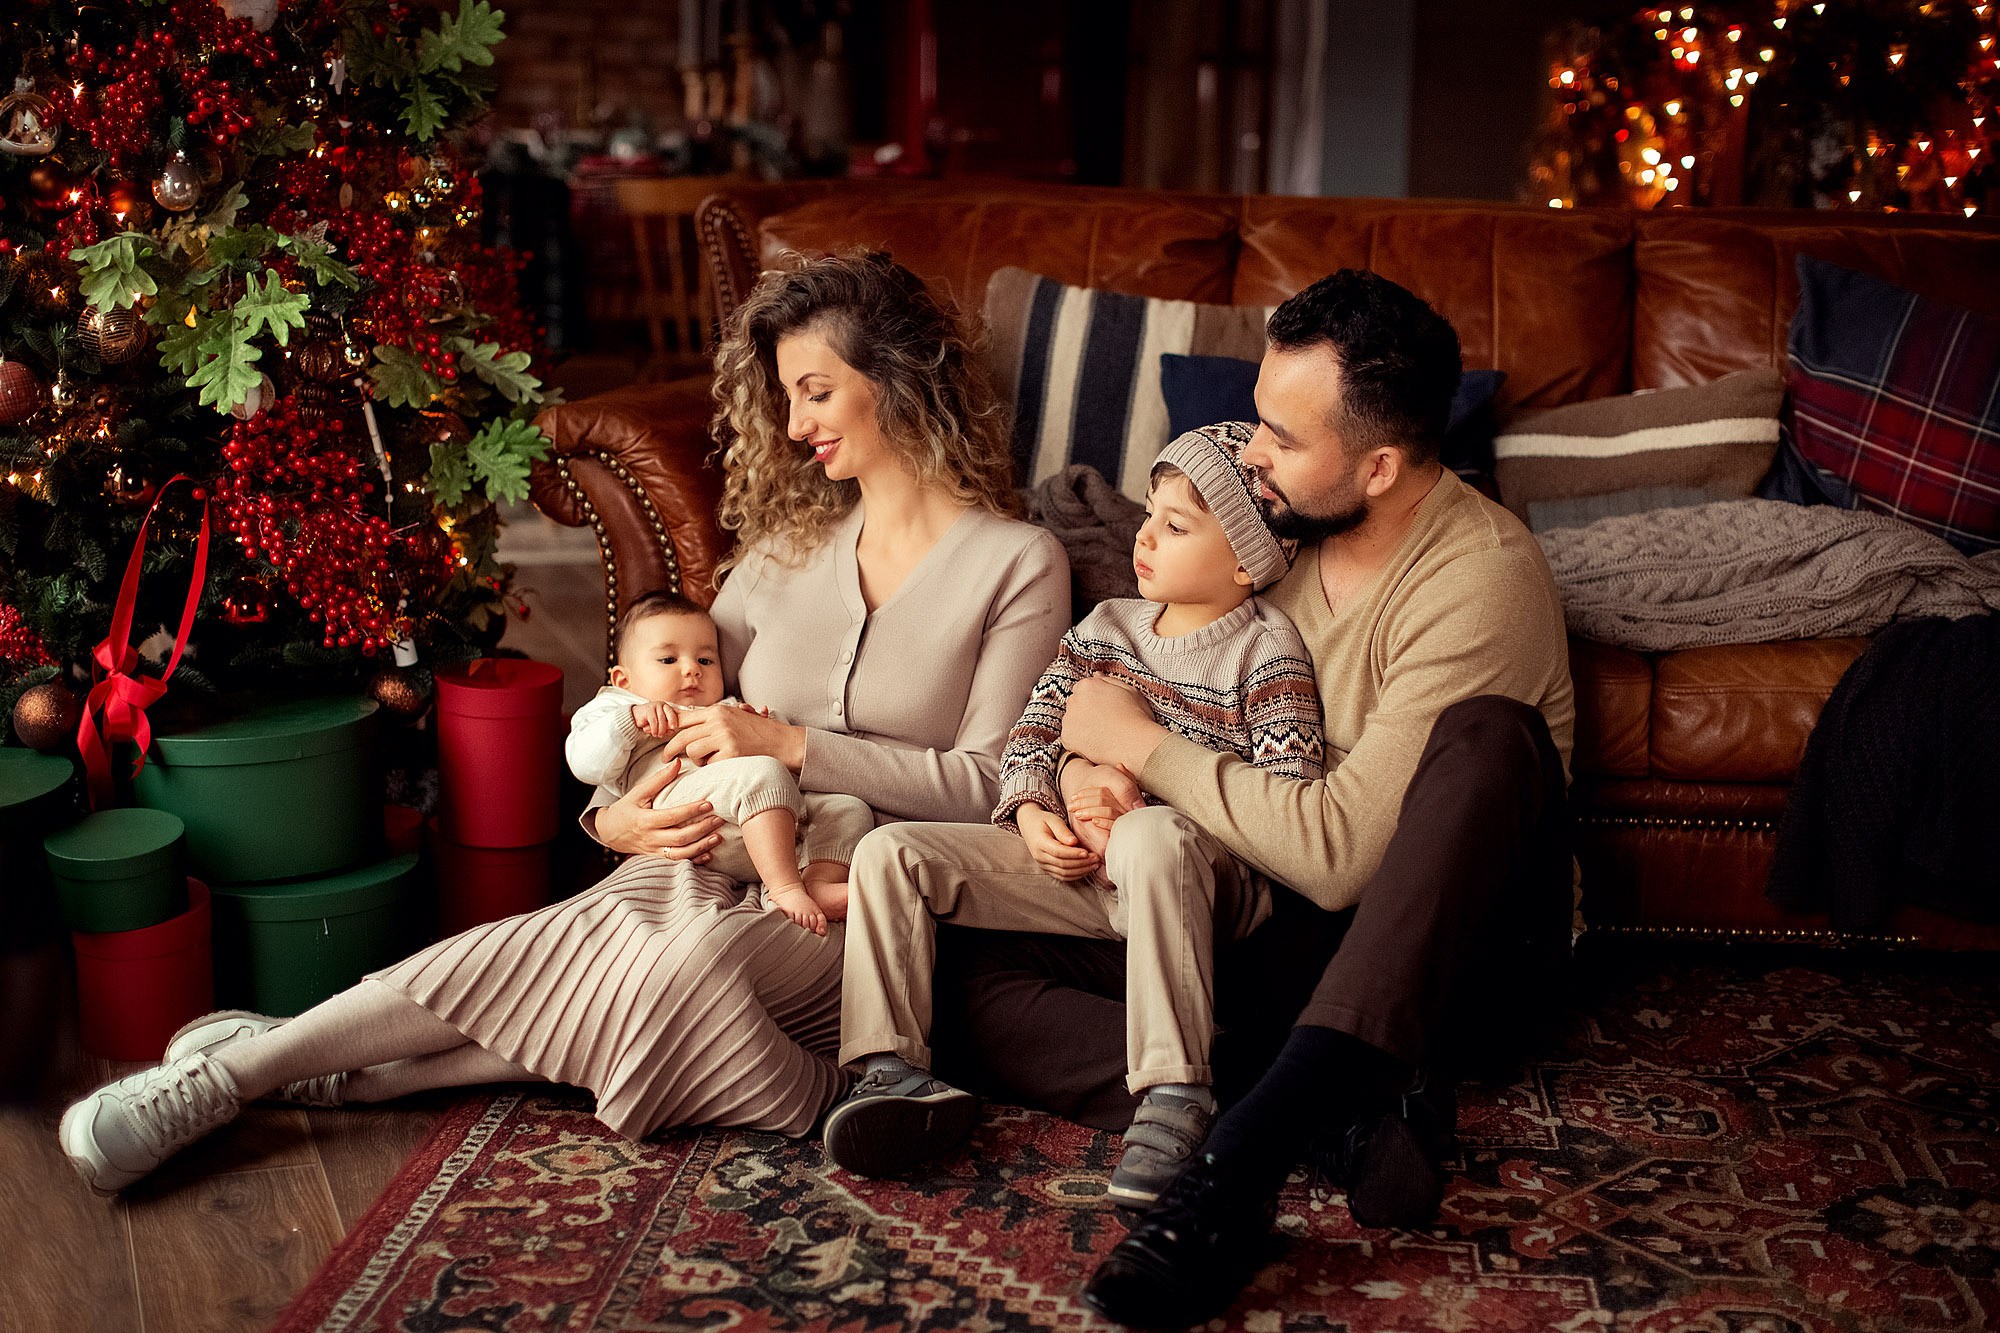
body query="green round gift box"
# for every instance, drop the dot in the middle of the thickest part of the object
(284, 791)
(282, 948)
(119, 870)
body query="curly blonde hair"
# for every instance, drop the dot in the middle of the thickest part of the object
(934, 399)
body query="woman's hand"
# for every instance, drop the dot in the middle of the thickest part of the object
(731, 733)
(1054, 846)
(678, 832)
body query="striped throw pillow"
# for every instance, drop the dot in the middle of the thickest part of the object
(1081, 368)
(1715, 439)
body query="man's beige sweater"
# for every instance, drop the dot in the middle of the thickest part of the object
(1465, 607)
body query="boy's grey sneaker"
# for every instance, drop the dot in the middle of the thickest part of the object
(897, 1120)
(122, 1131)
(212, 1032)
(1166, 1133)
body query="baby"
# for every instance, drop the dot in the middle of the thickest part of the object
(670, 666)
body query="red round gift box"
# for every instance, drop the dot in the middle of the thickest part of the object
(135, 988)
(499, 751)
(476, 885)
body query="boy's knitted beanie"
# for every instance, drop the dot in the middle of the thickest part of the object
(1212, 458)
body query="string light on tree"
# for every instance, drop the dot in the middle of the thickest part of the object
(1773, 111)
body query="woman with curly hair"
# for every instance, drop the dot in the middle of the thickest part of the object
(882, 597)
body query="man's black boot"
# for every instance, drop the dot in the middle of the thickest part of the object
(1186, 1259)
(1390, 1161)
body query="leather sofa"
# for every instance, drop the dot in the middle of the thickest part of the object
(1682, 760)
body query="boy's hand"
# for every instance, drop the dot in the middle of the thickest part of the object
(1055, 848)
(1097, 795)
(656, 719)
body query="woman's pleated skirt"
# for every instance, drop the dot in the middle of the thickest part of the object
(674, 995)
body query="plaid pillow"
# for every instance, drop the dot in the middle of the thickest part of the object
(1899, 397)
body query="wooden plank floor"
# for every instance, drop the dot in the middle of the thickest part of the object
(226, 1234)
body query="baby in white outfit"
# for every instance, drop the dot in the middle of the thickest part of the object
(669, 667)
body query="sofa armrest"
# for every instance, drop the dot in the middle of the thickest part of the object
(634, 465)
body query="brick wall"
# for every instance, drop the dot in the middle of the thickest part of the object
(583, 58)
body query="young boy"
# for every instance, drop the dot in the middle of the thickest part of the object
(1218, 666)
(670, 665)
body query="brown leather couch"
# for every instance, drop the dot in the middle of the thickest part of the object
(1683, 760)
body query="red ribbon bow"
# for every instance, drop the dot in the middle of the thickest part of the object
(115, 709)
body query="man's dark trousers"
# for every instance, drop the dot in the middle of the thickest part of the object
(1451, 961)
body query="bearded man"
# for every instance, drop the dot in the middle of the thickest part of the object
(1429, 871)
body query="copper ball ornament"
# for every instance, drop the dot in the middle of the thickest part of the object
(49, 186)
(402, 691)
(113, 336)
(46, 716)
(21, 394)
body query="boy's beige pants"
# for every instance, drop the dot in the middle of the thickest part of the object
(1177, 889)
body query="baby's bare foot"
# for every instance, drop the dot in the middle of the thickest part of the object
(793, 900)
(831, 897)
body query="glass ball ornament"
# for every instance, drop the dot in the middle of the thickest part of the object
(178, 186)
(128, 488)
(112, 336)
(28, 122)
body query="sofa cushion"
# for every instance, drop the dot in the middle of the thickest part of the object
(1742, 713)
(1716, 292)
(1899, 397)
(1150, 243)
(1545, 297)
(1081, 369)
(1714, 441)
(1614, 711)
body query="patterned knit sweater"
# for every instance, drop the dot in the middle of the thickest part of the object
(1240, 685)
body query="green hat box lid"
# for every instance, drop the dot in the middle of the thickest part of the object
(34, 800)
(282, 948)
(119, 870)
(281, 792)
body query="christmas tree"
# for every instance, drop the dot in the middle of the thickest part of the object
(242, 288)
(1849, 104)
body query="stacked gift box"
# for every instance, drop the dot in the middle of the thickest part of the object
(499, 725)
(284, 825)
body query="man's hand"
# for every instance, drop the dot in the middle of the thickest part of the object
(656, 719)
(1053, 845)
(1108, 722)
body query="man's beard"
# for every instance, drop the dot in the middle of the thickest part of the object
(1290, 524)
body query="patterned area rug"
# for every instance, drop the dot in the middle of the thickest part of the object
(1718, 1146)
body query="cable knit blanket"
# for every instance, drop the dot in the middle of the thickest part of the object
(1096, 525)
(1757, 571)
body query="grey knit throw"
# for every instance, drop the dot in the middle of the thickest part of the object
(1757, 571)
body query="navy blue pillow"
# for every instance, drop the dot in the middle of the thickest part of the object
(1202, 390)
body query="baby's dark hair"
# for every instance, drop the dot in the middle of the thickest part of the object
(659, 602)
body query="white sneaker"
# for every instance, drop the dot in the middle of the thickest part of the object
(122, 1131)
(206, 1036)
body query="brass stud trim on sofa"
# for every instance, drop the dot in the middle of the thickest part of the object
(1757, 935)
(1688, 822)
(596, 520)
